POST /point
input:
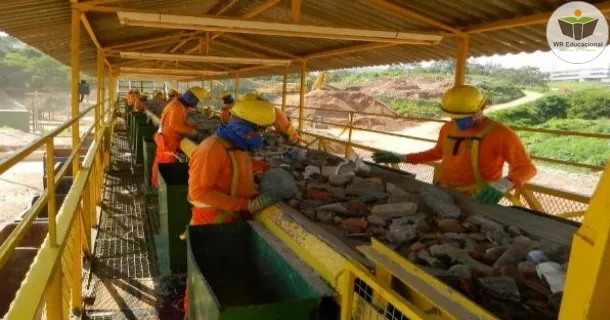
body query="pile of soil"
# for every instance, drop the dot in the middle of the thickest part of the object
(411, 88)
(344, 102)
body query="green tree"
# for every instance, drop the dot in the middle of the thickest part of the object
(552, 107)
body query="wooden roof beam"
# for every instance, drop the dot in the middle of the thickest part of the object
(162, 39)
(87, 26)
(206, 23)
(205, 59)
(533, 19)
(252, 44)
(403, 12)
(186, 72)
(248, 15)
(296, 11)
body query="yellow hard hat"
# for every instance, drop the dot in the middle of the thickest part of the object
(251, 96)
(259, 112)
(463, 101)
(146, 94)
(199, 92)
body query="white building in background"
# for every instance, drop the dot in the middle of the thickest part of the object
(582, 75)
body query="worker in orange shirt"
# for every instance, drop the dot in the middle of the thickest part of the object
(172, 94)
(472, 149)
(173, 127)
(221, 180)
(129, 99)
(159, 96)
(282, 124)
(228, 102)
(138, 102)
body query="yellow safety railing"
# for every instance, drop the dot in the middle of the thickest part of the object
(544, 199)
(54, 278)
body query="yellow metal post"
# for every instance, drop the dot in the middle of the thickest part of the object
(74, 85)
(460, 63)
(585, 295)
(284, 89)
(302, 94)
(77, 265)
(99, 72)
(54, 300)
(236, 86)
(50, 166)
(350, 126)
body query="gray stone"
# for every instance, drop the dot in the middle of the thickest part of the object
(394, 210)
(279, 183)
(486, 223)
(376, 220)
(497, 236)
(334, 207)
(400, 233)
(461, 256)
(552, 273)
(440, 202)
(514, 231)
(311, 170)
(337, 220)
(513, 255)
(395, 191)
(430, 260)
(503, 288)
(525, 265)
(360, 187)
(443, 250)
(325, 216)
(537, 256)
(340, 179)
(306, 204)
(328, 171)
(435, 272)
(461, 271)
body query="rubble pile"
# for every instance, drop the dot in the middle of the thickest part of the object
(504, 270)
(155, 106)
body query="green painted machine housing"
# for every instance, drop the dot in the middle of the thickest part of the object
(174, 216)
(235, 273)
(149, 149)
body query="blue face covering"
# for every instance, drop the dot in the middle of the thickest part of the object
(188, 99)
(464, 124)
(241, 134)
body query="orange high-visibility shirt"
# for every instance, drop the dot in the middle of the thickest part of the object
(211, 175)
(138, 105)
(129, 99)
(500, 145)
(283, 125)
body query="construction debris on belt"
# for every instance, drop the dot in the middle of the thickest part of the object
(500, 267)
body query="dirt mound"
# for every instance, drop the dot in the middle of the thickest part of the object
(344, 102)
(412, 88)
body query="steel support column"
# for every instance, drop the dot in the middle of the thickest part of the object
(75, 68)
(100, 96)
(284, 89)
(461, 59)
(302, 94)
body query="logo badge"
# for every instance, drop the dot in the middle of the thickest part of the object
(577, 32)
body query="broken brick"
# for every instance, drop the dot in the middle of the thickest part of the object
(417, 246)
(357, 206)
(449, 225)
(334, 207)
(513, 272)
(354, 224)
(318, 195)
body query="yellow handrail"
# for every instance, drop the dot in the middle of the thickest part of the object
(44, 278)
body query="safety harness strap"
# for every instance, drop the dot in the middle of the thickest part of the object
(451, 149)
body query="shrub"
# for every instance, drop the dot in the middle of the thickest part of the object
(589, 104)
(500, 93)
(552, 107)
(417, 108)
(524, 116)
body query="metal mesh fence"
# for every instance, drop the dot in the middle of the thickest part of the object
(369, 305)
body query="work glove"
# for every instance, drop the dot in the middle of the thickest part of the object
(387, 157)
(261, 202)
(181, 157)
(494, 191)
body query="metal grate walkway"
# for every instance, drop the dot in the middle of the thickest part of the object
(123, 278)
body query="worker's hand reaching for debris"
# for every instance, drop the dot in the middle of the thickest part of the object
(387, 157)
(495, 191)
(261, 202)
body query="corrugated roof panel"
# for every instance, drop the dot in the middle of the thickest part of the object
(45, 24)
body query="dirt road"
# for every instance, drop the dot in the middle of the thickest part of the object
(530, 96)
(19, 185)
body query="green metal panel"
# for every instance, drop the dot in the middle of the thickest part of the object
(234, 273)
(17, 119)
(143, 130)
(137, 119)
(149, 147)
(174, 213)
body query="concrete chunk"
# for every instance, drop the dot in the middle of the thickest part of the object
(394, 210)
